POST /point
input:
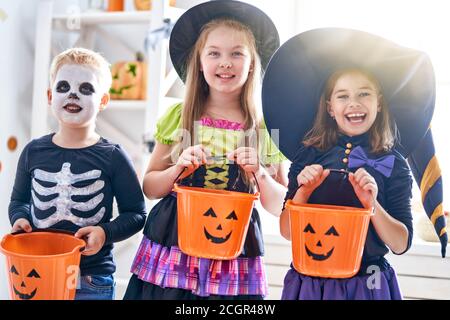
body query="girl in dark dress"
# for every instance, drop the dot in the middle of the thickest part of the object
(346, 100)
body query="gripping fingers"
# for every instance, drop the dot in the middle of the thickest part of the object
(361, 173)
(302, 180)
(366, 180)
(191, 163)
(325, 174)
(315, 169)
(247, 160)
(369, 187)
(200, 156)
(306, 178)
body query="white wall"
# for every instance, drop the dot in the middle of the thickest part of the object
(17, 23)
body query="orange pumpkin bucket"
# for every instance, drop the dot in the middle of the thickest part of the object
(42, 265)
(327, 240)
(213, 223)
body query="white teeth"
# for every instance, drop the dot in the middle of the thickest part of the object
(72, 108)
(356, 115)
(225, 76)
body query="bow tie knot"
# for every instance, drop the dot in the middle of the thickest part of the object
(371, 162)
(358, 158)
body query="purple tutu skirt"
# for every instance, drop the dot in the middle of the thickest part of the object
(378, 286)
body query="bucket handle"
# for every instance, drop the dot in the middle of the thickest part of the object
(71, 233)
(291, 195)
(218, 157)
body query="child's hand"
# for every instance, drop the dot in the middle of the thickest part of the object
(311, 177)
(21, 224)
(365, 187)
(192, 158)
(95, 239)
(247, 158)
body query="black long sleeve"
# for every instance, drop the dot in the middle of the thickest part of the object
(19, 206)
(129, 197)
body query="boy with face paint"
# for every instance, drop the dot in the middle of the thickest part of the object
(68, 180)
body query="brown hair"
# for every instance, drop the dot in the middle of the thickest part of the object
(324, 133)
(86, 57)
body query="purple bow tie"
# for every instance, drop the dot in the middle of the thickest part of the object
(358, 158)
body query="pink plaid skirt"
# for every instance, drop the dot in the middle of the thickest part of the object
(169, 267)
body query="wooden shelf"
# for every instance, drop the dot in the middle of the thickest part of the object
(123, 17)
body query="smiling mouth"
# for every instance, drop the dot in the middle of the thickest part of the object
(25, 296)
(72, 108)
(225, 76)
(319, 257)
(356, 117)
(216, 239)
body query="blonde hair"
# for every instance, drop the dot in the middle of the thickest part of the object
(84, 57)
(324, 133)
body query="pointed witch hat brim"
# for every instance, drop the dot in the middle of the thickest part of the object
(299, 69)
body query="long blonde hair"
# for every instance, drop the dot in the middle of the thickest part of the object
(324, 133)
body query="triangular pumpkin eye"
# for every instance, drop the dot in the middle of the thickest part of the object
(13, 270)
(33, 274)
(210, 213)
(332, 231)
(232, 216)
(309, 228)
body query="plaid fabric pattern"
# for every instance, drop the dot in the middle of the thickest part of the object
(169, 267)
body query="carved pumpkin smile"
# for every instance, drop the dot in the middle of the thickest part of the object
(218, 239)
(25, 296)
(319, 257)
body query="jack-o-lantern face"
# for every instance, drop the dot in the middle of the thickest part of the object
(24, 293)
(217, 225)
(320, 256)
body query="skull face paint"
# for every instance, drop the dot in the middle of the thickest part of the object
(76, 95)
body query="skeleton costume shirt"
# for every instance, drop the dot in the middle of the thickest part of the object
(68, 189)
